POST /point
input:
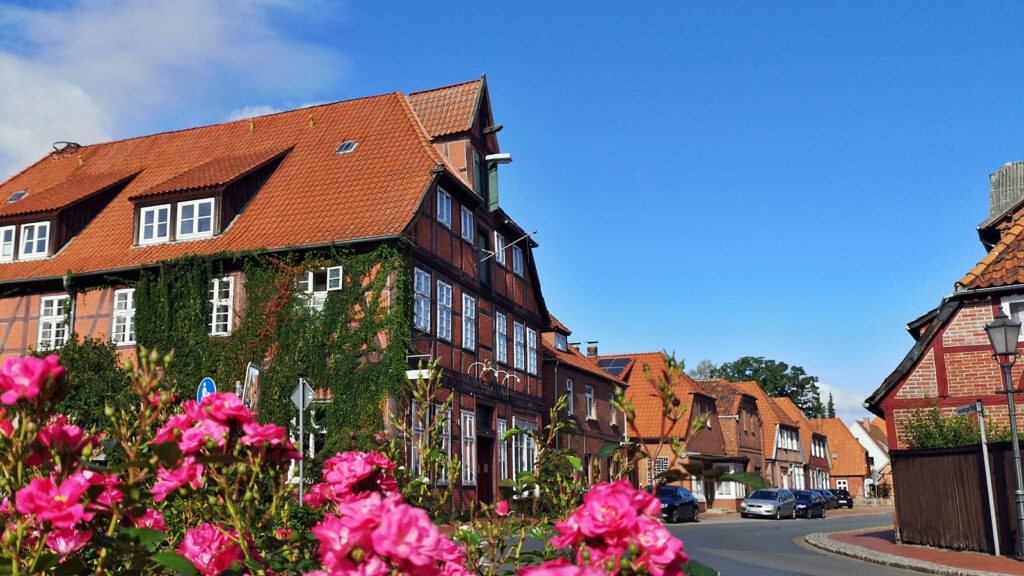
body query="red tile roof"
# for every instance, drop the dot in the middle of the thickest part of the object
(63, 194)
(646, 404)
(558, 326)
(771, 415)
(726, 395)
(577, 359)
(313, 197)
(851, 458)
(808, 426)
(1004, 264)
(217, 172)
(448, 110)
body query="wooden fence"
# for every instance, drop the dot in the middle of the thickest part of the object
(941, 499)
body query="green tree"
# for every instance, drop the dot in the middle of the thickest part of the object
(831, 410)
(778, 379)
(929, 428)
(705, 369)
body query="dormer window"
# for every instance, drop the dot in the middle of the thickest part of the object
(317, 283)
(195, 219)
(155, 224)
(35, 240)
(7, 243)
(562, 342)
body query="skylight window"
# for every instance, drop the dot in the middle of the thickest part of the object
(17, 196)
(346, 147)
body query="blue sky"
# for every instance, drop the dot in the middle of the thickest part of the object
(792, 180)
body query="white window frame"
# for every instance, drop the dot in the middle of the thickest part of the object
(588, 392)
(155, 239)
(611, 408)
(570, 404)
(468, 222)
(468, 322)
(334, 280)
(54, 321)
(518, 345)
(417, 426)
(34, 254)
(122, 322)
(8, 246)
(500, 338)
(446, 441)
(222, 312)
(1006, 302)
(421, 308)
(729, 489)
(531, 351)
(517, 261)
(444, 207)
(561, 342)
(444, 311)
(524, 447)
(468, 429)
(503, 446)
(180, 221)
(499, 248)
(697, 488)
(843, 485)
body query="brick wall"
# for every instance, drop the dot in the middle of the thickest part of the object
(973, 373)
(922, 381)
(968, 326)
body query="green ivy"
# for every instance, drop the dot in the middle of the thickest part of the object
(339, 348)
(96, 380)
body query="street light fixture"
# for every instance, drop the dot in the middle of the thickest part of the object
(1003, 334)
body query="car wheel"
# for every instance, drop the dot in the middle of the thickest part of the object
(674, 517)
(850, 506)
(778, 514)
(822, 511)
(696, 514)
(793, 515)
(744, 515)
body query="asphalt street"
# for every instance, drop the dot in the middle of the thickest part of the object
(755, 547)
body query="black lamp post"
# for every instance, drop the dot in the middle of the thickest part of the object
(1003, 334)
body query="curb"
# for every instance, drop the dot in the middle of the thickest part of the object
(822, 541)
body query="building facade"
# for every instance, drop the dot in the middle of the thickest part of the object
(817, 473)
(416, 172)
(849, 460)
(741, 425)
(784, 459)
(590, 393)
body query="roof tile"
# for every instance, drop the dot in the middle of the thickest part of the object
(447, 110)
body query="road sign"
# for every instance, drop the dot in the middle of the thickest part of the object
(302, 396)
(967, 409)
(206, 387)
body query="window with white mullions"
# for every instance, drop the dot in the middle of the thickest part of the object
(417, 426)
(316, 284)
(467, 224)
(468, 322)
(500, 338)
(123, 329)
(222, 292)
(53, 321)
(446, 440)
(468, 448)
(444, 311)
(444, 207)
(195, 219)
(591, 404)
(531, 351)
(35, 240)
(570, 402)
(154, 224)
(518, 345)
(421, 306)
(499, 248)
(503, 447)
(517, 260)
(7, 243)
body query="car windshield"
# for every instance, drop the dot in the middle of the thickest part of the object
(665, 491)
(802, 493)
(765, 495)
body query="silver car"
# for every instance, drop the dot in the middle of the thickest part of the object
(775, 503)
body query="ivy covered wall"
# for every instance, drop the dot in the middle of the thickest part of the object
(355, 347)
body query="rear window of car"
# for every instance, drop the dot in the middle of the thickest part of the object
(666, 491)
(764, 495)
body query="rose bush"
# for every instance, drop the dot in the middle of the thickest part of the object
(200, 488)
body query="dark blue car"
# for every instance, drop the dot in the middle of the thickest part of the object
(809, 503)
(678, 504)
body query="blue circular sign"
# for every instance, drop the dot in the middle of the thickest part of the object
(206, 387)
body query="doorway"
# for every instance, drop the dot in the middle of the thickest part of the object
(485, 471)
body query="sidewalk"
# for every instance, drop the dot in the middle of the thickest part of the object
(878, 545)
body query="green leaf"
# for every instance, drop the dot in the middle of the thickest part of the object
(71, 567)
(510, 433)
(575, 462)
(181, 565)
(745, 478)
(694, 568)
(148, 538)
(46, 561)
(167, 452)
(670, 476)
(607, 450)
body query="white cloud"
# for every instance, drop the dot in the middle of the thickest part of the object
(849, 402)
(102, 68)
(250, 112)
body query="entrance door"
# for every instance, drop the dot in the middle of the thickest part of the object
(485, 470)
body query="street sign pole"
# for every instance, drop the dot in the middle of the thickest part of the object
(988, 476)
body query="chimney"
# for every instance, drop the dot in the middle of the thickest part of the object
(1007, 186)
(592, 348)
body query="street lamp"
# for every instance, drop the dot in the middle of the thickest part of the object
(1003, 334)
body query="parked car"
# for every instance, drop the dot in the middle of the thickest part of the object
(830, 498)
(775, 503)
(843, 498)
(809, 503)
(678, 504)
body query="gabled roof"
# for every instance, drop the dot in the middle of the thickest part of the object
(219, 171)
(726, 395)
(643, 396)
(63, 194)
(851, 458)
(771, 415)
(576, 359)
(448, 110)
(314, 197)
(808, 427)
(879, 424)
(557, 326)
(1004, 263)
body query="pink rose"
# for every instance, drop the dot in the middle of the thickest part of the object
(224, 407)
(263, 434)
(501, 508)
(408, 535)
(336, 541)
(59, 505)
(172, 430)
(170, 480)
(150, 519)
(26, 377)
(64, 541)
(194, 439)
(561, 567)
(212, 549)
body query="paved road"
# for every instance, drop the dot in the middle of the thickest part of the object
(738, 547)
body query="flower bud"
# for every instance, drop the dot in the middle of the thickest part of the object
(634, 549)
(154, 357)
(108, 411)
(87, 451)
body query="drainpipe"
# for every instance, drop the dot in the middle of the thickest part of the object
(555, 383)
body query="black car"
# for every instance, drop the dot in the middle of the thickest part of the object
(809, 503)
(678, 504)
(830, 499)
(843, 498)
